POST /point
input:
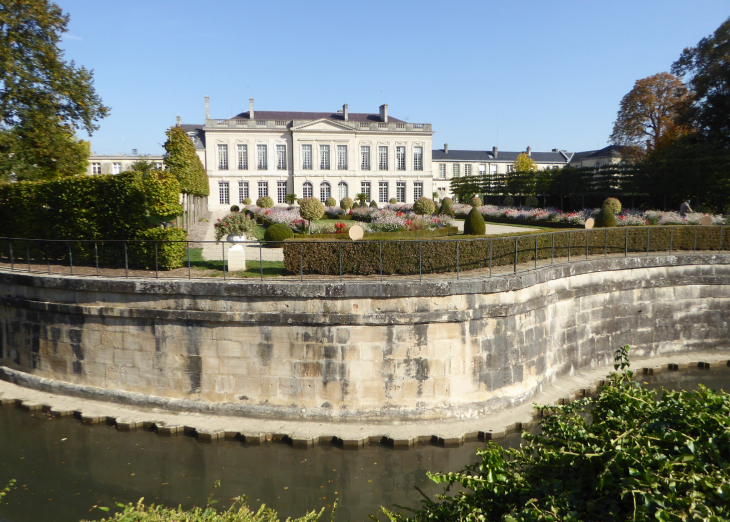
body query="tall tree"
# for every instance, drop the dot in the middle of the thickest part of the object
(40, 93)
(707, 67)
(650, 111)
(183, 163)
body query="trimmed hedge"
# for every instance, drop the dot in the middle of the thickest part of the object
(439, 256)
(170, 249)
(386, 236)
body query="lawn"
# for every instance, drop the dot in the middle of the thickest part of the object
(214, 268)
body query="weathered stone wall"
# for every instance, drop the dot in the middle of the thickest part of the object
(365, 350)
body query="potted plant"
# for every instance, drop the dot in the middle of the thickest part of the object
(236, 227)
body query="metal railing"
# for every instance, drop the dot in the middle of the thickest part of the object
(338, 259)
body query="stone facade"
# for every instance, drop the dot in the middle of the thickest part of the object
(360, 350)
(118, 163)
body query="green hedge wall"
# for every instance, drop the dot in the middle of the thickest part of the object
(385, 236)
(438, 256)
(86, 207)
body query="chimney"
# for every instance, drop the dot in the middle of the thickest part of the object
(446, 148)
(495, 152)
(207, 107)
(179, 120)
(384, 112)
(555, 150)
(250, 109)
(345, 112)
(529, 150)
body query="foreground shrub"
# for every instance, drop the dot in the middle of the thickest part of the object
(474, 223)
(424, 207)
(345, 203)
(236, 224)
(373, 204)
(613, 204)
(509, 201)
(246, 201)
(311, 209)
(265, 202)
(278, 232)
(475, 201)
(447, 207)
(392, 201)
(531, 201)
(235, 208)
(330, 202)
(605, 218)
(630, 454)
(171, 248)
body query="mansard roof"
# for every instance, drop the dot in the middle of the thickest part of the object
(486, 155)
(195, 130)
(291, 115)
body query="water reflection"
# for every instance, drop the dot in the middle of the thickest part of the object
(64, 468)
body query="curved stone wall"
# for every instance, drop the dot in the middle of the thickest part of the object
(365, 350)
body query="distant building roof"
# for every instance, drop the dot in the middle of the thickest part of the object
(486, 155)
(290, 115)
(195, 131)
(611, 150)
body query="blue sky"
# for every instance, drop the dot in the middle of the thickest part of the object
(511, 73)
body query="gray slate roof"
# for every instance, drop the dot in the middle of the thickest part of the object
(611, 150)
(199, 134)
(486, 155)
(290, 115)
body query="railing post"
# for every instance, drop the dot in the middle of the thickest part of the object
(695, 247)
(648, 240)
(261, 260)
(552, 250)
(569, 246)
(223, 252)
(626, 243)
(70, 258)
(27, 254)
(420, 263)
(157, 272)
(671, 238)
(381, 260)
(48, 261)
(12, 258)
(490, 257)
(536, 238)
(96, 256)
(721, 238)
(301, 262)
(515, 255)
(126, 261)
(340, 261)
(457, 259)
(588, 232)
(187, 244)
(605, 243)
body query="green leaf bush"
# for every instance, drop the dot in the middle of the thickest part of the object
(330, 202)
(531, 201)
(447, 207)
(171, 249)
(630, 454)
(265, 202)
(393, 201)
(613, 204)
(508, 201)
(373, 204)
(278, 232)
(424, 207)
(311, 209)
(183, 162)
(235, 208)
(346, 203)
(474, 223)
(605, 218)
(475, 201)
(246, 201)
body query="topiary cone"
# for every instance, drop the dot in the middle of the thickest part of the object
(474, 223)
(605, 218)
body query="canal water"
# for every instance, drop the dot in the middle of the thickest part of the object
(64, 469)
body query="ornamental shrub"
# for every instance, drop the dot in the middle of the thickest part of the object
(265, 202)
(475, 201)
(447, 207)
(393, 201)
(509, 201)
(345, 203)
(183, 162)
(474, 223)
(278, 232)
(531, 201)
(373, 204)
(290, 198)
(311, 209)
(246, 201)
(235, 208)
(605, 218)
(171, 248)
(355, 204)
(613, 204)
(237, 224)
(424, 206)
(447, 198)
(330, 202)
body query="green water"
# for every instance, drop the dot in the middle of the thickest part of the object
(64, 468)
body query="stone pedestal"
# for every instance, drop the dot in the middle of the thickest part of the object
(236, 258)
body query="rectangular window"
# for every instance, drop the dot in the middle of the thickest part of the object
(324, 157)
(365, 189)
(306, 157)
(223, 193)
(341, 157)
(242, 157)
(383, 191)
(482, 169)
(455, 170)
(400, 157)
(467, 169)
(158, 165)
(417, 158)
(263, 188)
(510, 168)
(281, 191)
(281, 157)
(400, 191)
(96, 168)
(342, 190)
(116, 168)
(382, 158)
(222, 156)
(365, 157)
(417, 190)
(442, 170)
(262, 160)
(242, 191)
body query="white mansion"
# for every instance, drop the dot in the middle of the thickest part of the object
(331, 154)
